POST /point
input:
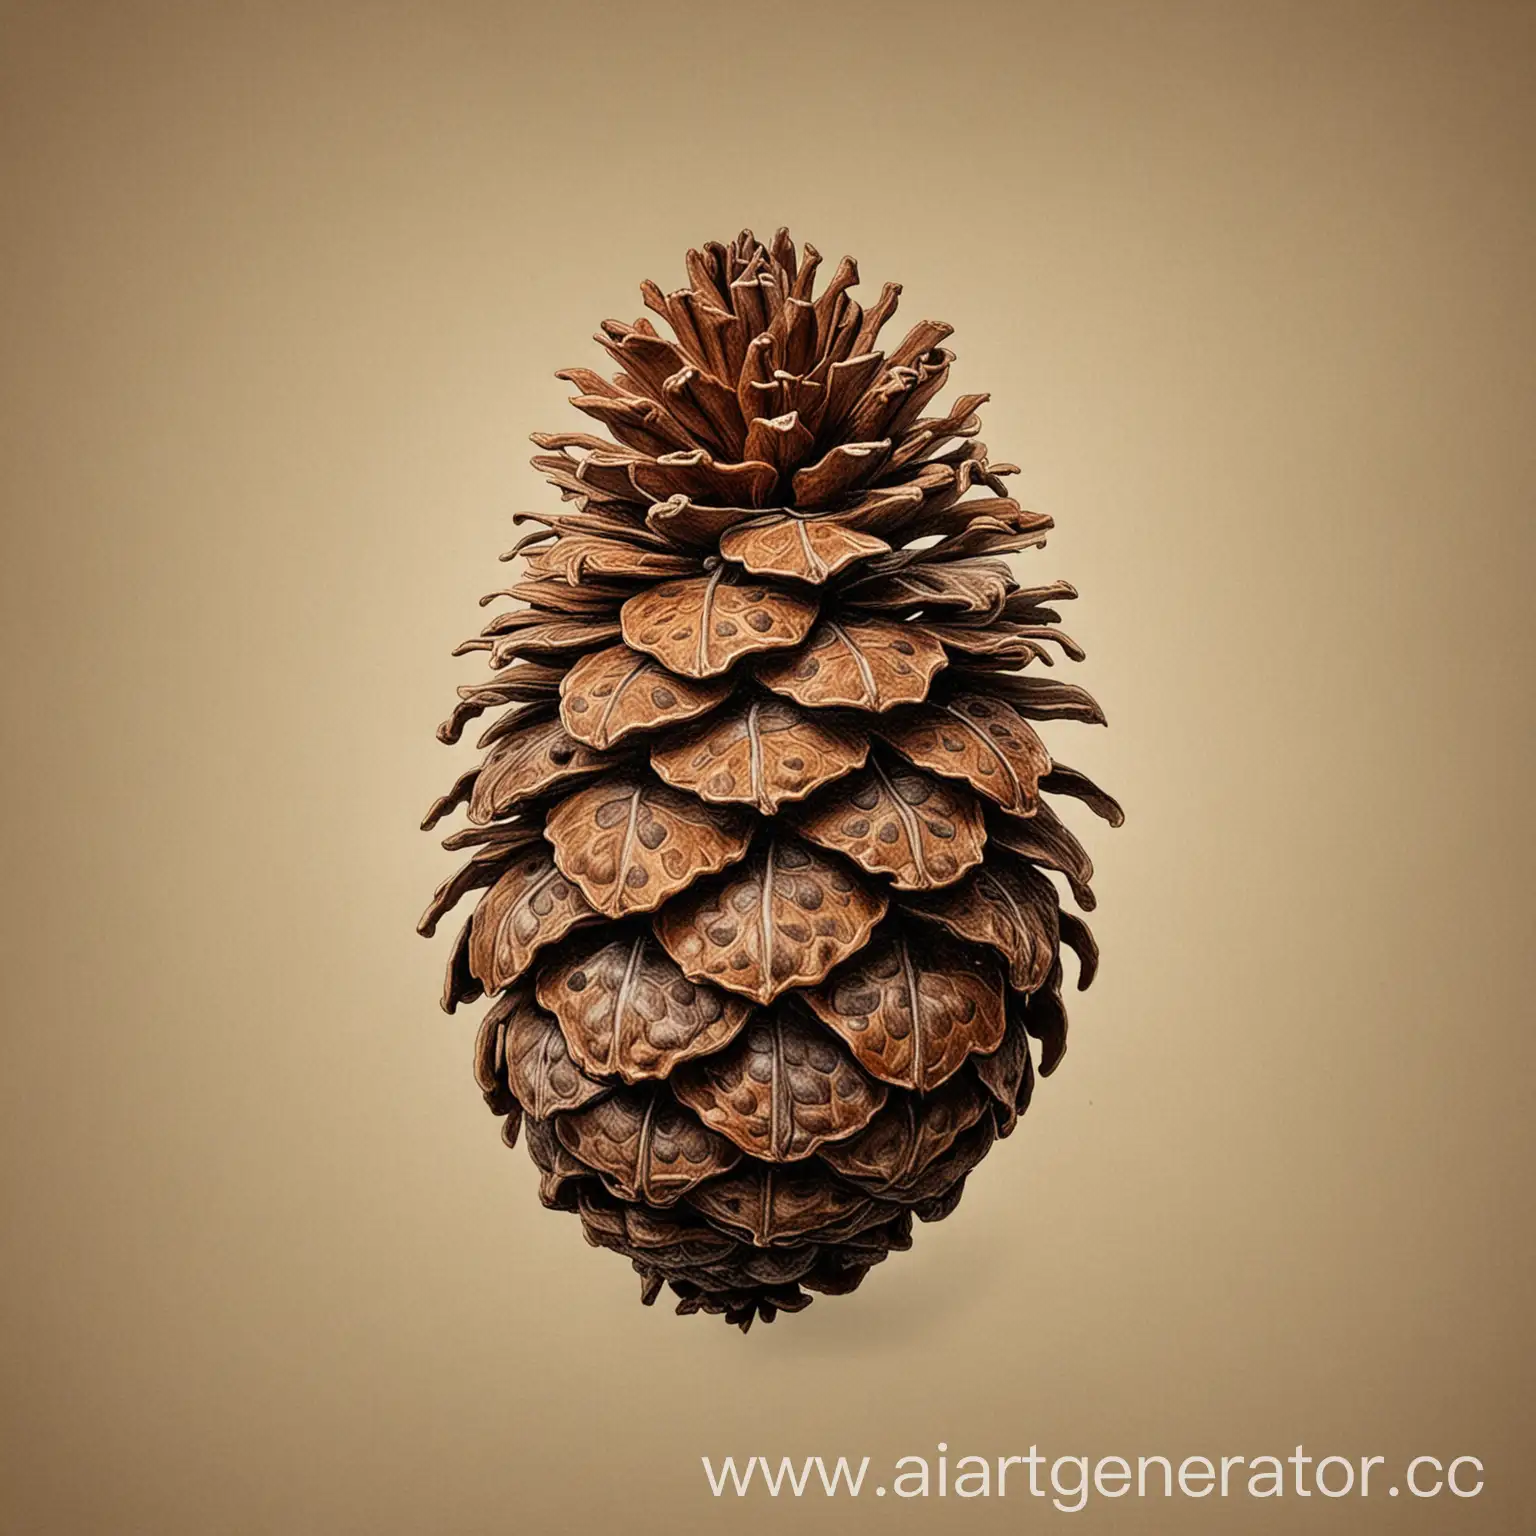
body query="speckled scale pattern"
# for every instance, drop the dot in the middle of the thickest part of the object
(759, 751)
(628, 1011)
(782, 918)
(784, 1089)
(701, 628)
(909, 1134)
(541, 1074)
(532, 905)
(630, 841)
(913, 1005)
(645, 1145)
(920, 831)
(866, 664)
(614, 694)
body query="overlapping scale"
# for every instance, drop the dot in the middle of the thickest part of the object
(762, 752)
(1046, 840)
(908, 1134)
(630, 841)
(627, 1010)
(771, 1205)
(540, 1073)
(1005, 904)
(616, 693)
(868, 664)
(645, 1146)
(780, 919)
(979, 739)
(892, 819)
(701, 627)
(534, 760)
(783, 1089)
(797, 548)
(913, 1005)
(532, 905)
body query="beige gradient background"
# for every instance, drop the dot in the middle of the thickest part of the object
(283, 291)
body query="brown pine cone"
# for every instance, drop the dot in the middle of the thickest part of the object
(761, 827)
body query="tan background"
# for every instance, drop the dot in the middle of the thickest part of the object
(283, 292)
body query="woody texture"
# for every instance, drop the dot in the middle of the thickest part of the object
(765, 837)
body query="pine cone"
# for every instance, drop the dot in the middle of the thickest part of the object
(761, 832)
